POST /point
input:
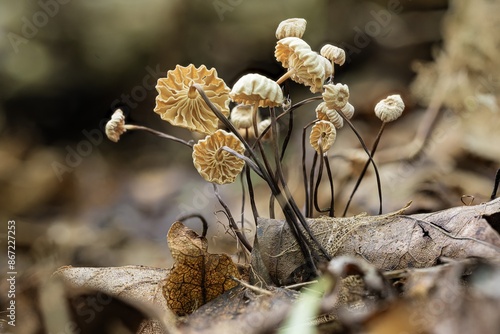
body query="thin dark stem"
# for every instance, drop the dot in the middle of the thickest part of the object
(318, 181)
(332, 189)
(365, 167)
(362, 142)
(304, 169)
(243, 198)
(288, 135)
(158, 133)
(249, 162)
(241, 237)
(311, 184)
(495, 186)
(200, 217)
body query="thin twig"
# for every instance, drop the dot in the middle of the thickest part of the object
(241, 237)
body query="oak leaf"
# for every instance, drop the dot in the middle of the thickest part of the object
(197, 276)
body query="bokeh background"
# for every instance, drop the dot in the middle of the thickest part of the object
(79, 199)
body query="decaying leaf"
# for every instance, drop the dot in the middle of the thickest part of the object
(389, 242)
(197, 277)
(139, 286)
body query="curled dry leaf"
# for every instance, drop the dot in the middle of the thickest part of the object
(197, 277)
(391, 241)
(139, 286)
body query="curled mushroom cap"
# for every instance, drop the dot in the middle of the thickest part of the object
(241, 116)
(322, 135)
(348, 110)
(325, 114)
(257, 89)
(291, 28)
(390, 108)
(333, 53)
(179, 103)
(215, 164)
(116, 126)
(336, 96)
(304, 65)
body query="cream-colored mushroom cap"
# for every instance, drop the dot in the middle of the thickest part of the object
(336, 96)
(304, 65)
(257, 89)
(116, 126)
(325, 114)
(348, 110)
(333, 53)
(322, 135)
(294, 27)
(180, 104)
(390, 108)
(215, 164)
(241, 116)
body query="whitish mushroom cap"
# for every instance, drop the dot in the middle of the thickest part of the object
(287, 47)
(215, 164)
(325, 114)
(348, 110)
(181, 105)
(116, 126)
(390, 108)
(255, 88)
(336, 96)
(241, 116)
(333, 53)
(306, 66)
(291, 28)
(322, 133)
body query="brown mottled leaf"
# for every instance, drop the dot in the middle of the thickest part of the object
(197, 277)
(139, 286)
(392, 241)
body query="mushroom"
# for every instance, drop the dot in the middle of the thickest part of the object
(336, 96)
(294, 27)
(325, 114)
(179, 103)
(259, 91)
(333, 53)
(322, 136)
(304, 65)
(213, 162)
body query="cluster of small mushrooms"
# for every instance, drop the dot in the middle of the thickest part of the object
(195, 98)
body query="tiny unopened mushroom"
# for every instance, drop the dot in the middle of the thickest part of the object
(116, 126)
(322, 135)
(213, 162)
(241, 116)
(336, 96)
(333, 53)
(294, 27)
(179, 103)
(390, 108)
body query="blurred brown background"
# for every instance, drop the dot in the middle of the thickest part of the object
(80, 199)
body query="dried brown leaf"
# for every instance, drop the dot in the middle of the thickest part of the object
(137, 285)
(197, 277)
(392, 241)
